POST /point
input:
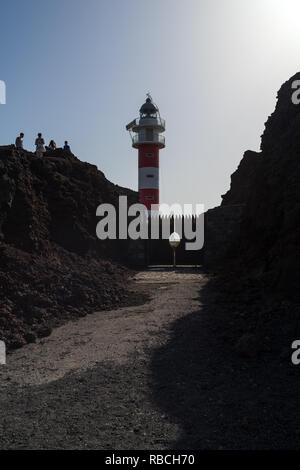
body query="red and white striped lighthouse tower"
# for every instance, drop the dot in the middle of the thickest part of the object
(148, 140)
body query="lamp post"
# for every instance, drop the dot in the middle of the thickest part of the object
(174, 241)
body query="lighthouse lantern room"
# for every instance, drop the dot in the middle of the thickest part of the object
(146, 134)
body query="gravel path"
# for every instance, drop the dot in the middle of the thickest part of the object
(164, 375)
(90, 384)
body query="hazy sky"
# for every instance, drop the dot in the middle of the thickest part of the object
(79, 70)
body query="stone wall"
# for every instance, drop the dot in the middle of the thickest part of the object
(137, 254)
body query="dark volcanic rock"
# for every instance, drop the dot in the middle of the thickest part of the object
(269, 184)
(261, 317)
(53, 200)
(243, 179)
(52, 266)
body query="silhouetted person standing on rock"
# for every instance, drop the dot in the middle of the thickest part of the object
(19, 142)
(67, 146)
(52, 145)
(40, 145)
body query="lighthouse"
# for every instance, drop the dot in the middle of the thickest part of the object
(146, 133)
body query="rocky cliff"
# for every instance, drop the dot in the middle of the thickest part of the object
(52, 266)
(253, 243)
(268, 183)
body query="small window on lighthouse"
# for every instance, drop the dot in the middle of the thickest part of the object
(149, 198)
(149, 154)
(150, 176)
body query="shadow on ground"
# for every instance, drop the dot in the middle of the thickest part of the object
(220, 399)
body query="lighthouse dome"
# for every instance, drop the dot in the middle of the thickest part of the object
(148, 108)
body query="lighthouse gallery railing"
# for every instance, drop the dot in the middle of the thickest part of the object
(158, 138)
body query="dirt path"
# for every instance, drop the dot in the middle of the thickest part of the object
(90, 384)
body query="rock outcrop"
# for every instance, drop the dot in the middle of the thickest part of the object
(268, 183)
(221, 234)
(52, 266)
